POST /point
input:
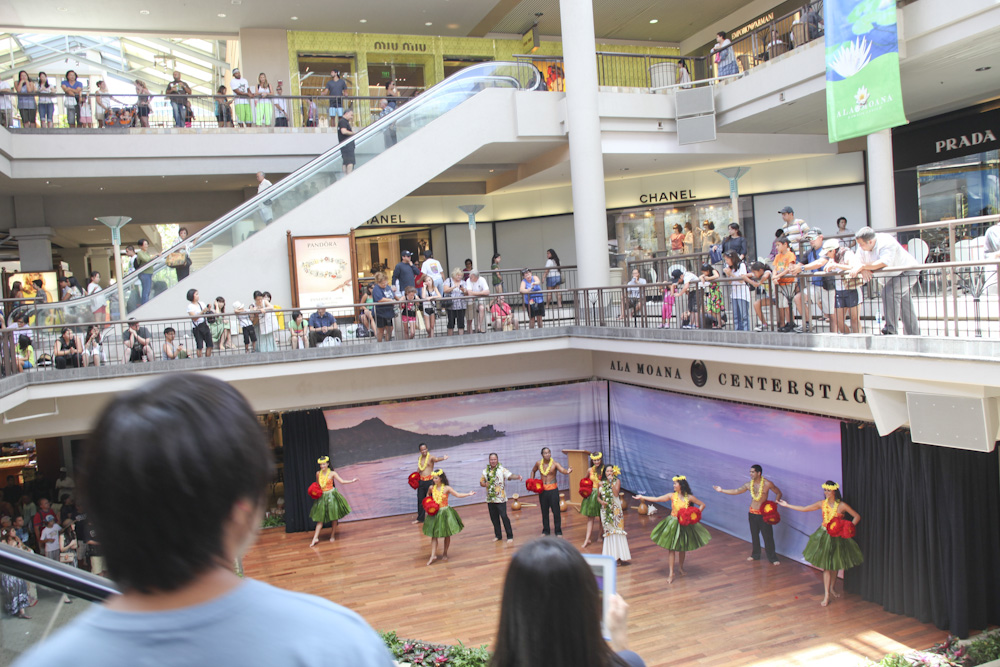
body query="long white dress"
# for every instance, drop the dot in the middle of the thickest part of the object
(613, 520)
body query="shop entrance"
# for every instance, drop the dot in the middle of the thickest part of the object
(381, 249)
(409, 77)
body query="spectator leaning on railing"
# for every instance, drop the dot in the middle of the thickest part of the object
(883, 253)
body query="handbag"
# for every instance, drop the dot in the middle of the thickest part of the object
(67, 557)
(176, 259)
(854, 283)
(714, 255)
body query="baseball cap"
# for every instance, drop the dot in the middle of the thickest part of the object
(407, 253)
(676, 274)
(813, 233)
(49, 517)
(830, 244)
(787, 209)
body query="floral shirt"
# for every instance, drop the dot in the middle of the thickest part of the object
(496, 479)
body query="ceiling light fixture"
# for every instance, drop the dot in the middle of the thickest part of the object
(983, 68)
(62, 9)
(654, 20)
(363, 21)
(144, 12)
(221, 16)
(429, 23)
(295, 18)
(452, 26)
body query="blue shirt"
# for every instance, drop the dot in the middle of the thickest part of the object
(384, 310)
(317, 321)
(812, 256)
(254, 624)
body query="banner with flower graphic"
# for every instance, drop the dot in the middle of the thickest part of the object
(863, 93)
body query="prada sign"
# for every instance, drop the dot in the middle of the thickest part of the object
(964, 132)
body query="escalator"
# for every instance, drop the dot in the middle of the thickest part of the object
(305, 202)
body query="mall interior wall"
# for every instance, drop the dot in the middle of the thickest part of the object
(819, 207)
(264, 50)
(521, 242)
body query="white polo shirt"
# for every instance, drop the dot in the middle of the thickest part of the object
(888, 250)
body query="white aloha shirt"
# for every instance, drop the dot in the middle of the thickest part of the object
(496, 491)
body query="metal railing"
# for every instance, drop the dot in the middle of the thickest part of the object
(107, 111)
(624, 70)
(777, 37)
(951, 299)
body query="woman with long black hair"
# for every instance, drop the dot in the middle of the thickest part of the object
(445, 522)
(550, 577)
(553, 277)
(826, 550)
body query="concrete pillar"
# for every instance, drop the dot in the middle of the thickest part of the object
(34, 247)
(881, 183)
(586, 163)
(77, 260)
(100, 260)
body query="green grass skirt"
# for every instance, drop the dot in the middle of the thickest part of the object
(590, 505)
(443, 524)
(331, 506)
(832, 553)
(671, 535)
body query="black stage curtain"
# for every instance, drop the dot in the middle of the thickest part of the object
(306, 438)
(928, 530)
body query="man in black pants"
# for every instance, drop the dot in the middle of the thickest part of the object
(759, 489)
(425, 466)
(549, 498)
(494, 479)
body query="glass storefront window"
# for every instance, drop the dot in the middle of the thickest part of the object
(314, 72)
(961, 187)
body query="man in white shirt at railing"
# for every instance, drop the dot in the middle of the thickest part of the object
(241, 88)
(883, 253)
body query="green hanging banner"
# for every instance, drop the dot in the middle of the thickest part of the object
(863, 93)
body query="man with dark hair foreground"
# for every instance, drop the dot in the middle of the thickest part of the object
(161, 452)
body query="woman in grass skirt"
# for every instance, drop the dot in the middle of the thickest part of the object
(590, 507)
(445, 522)
(827, 552)
(331, 506)
(612, 516)
(670, 534)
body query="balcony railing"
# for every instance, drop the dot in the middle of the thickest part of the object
(119, 112)
(950, 299)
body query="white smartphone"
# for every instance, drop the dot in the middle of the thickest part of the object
(605, 569)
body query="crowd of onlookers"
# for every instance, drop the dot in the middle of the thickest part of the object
(32, 100)
(57, 529)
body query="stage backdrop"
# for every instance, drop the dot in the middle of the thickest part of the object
(656, 435)
(378, 444)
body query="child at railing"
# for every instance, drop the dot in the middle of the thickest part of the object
(667, 311)
(408, 312)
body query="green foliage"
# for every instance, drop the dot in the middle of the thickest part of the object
(422, 653)
(984, 648)
(273, 521)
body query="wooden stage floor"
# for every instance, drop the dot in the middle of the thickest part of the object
(724, 611)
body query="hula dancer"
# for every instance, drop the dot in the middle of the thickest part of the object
(425, 465)
(759, 489)
(612, 516)
(829, 548)
(495, 478)
(670, 534)
(331, 506)
(549, 497)
(590, 507)
(446, 521)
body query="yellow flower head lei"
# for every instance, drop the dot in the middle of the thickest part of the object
(830, 487)
(679, 478)
(615, 471)
(437, 473)
(597, 457)
(323, 459)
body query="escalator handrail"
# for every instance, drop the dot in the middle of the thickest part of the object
(55, 575)
(413, 104)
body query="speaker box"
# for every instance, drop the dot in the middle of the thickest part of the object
(953, 421)
(695, 130)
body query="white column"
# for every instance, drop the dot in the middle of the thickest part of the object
(586, 164)
(881, 183)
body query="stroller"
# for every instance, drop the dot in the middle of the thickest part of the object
(121, 117)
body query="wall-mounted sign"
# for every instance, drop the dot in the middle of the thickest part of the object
(964, 132)
(385, 219)
(753, 25)
(399, 46)
(322, 270)
(660, 197)
(834, 394)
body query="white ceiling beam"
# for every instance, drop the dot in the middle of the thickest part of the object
(193, 53)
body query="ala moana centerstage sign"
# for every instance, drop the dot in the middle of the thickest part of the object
(835, 394)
